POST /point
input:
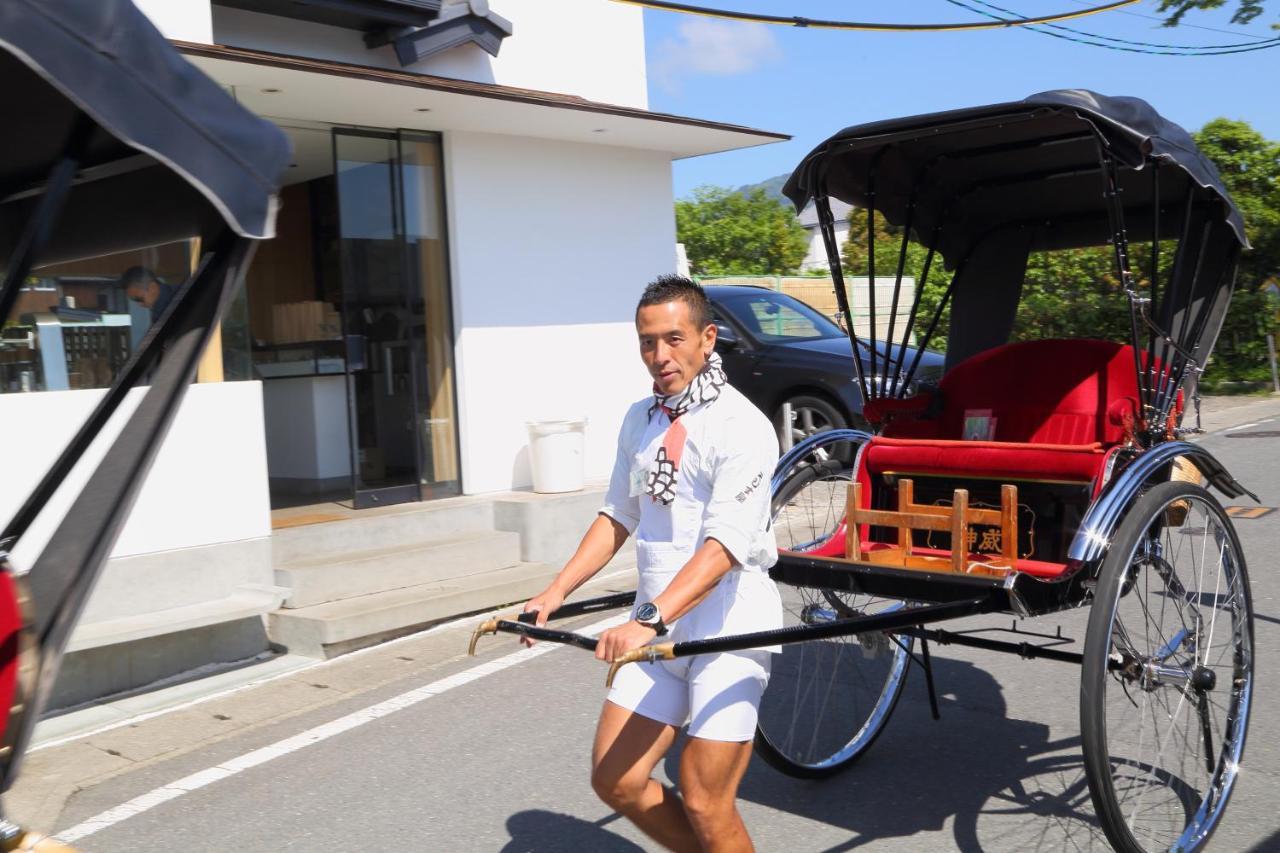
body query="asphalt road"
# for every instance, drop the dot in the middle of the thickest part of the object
(497, 760)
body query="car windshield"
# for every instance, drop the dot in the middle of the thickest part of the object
(777, 318)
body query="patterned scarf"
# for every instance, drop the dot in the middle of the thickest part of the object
(702, 391)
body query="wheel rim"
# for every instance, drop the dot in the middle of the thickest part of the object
(1177, 695)
(806, 421)
(827, 700)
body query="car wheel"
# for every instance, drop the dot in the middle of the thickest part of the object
(810, 415)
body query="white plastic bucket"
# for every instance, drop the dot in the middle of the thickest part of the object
(555, 454)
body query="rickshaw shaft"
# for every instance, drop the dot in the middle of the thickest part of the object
(1025, 650)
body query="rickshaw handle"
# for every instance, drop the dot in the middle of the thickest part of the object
(891, 621)
(566, 611)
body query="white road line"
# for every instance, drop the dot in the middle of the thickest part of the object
(472, 619)
(310, 737)
(1241, 426)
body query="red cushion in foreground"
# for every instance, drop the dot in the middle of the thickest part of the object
(1070, 462)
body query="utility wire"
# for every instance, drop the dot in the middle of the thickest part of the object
(1183, 25)
(817, 24)
(1126, 45)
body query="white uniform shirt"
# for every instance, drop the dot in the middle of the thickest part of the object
(722, 493)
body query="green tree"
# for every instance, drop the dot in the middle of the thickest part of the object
(854, 260)
(728, 233)
(1246, 10)
(1250, 167)
(1076, 293)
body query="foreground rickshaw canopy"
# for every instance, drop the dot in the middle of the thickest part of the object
(169, 155)
(115, 142)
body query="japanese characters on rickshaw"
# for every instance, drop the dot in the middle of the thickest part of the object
(1036, 476)
(115, 143)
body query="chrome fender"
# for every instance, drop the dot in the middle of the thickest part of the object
(799, 451)
(1104, 515)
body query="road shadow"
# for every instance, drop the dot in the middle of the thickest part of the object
(1005, 783)
(551, 832)
(1270, 843)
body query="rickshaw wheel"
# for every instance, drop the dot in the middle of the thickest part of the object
(1168, 672)
(827, 700)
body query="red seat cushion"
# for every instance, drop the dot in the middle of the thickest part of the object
(1042, 392)
(1074, 463)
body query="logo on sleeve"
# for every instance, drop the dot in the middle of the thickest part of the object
(755, 484)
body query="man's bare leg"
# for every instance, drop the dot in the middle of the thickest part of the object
(627, 748)
(710, 772)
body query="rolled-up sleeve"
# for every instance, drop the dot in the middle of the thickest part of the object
(738, 514)
(619, 504)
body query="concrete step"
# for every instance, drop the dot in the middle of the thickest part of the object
(337, 627)
(386, 527)
(335, 576)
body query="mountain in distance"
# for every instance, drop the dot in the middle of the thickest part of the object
(772, 187)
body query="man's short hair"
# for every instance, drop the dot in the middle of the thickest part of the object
(670, 288)
(136, 277)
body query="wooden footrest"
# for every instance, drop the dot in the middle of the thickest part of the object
(955, 519)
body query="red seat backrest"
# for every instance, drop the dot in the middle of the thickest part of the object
(1040, 392)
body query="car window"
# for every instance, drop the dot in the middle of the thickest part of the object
(776, 318)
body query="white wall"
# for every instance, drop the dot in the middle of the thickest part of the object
(589, 48)
(208, 483)
(551, 245)
(580, 47)
(186, 20)
(815, 260)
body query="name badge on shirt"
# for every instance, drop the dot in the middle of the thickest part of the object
(639, 477)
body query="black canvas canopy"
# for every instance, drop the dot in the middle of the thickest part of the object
(160, 129)
(113, 142)
(984, 187)
(1030, 164)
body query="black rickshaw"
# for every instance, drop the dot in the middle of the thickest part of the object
(1035, 476)
(115, 143)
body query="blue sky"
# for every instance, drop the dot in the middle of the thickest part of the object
(810, 83)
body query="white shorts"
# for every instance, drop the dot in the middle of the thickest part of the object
(717, 695)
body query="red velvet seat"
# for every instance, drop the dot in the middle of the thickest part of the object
(1060, 408)
(1058, 405)
(1071, 463)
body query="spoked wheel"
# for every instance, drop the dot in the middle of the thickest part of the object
(1168, 672)
(827, 700)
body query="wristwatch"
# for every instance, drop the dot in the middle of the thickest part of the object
(650, 616)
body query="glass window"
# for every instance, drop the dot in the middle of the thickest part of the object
(777, 318)
(74, 325)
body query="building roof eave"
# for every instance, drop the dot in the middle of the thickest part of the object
(681, 136)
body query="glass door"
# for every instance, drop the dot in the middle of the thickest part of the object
(397, 320)
(427, 263)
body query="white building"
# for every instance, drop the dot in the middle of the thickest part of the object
(815, 259)
(452, 261)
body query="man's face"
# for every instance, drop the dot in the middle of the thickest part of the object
(144, 294)
(671, 346)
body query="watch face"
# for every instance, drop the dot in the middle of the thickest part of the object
(647, 612)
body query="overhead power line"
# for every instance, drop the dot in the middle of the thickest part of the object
(1114, 43)
(1182, 25)
(818, 24)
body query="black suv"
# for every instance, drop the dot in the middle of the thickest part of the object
(777, 349)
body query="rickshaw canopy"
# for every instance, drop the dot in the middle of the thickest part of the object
(1024, 164)
(170, 155)
(987, 186)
